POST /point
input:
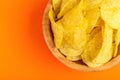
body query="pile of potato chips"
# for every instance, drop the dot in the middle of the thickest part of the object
(87, 30)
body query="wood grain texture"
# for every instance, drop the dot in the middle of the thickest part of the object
(74, 65)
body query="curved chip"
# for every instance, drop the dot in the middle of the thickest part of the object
(74, 18)
(111, 17)
(92, 49)
(56, 5)
(90, 4)
(110, 12)
(57, 29)
(108, 4)
(67, 5)
(92, 17)
(75, 37)
(73, 58)
(71, 53)
(116, 42)
(99, 22)
(99, 50)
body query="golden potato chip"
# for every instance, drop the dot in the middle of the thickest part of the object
(99, 22)
(92, 50)
(92, 17)
(111, 17)
(67, 48)
(77, 31)
(67, 5)
(73, 19)
(75, 58)
(56, 5)
(57, 29)
(108, 4)
(69, 52)
(95, 31)
(99, 50)
(90, 4)
(75, 37)
(110, 13)
(105, 53)
(73, 43)
(116, 41)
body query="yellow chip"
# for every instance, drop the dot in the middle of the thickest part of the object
(116, 42)
(99, 50)
(108, 4)
(95, 31)
(73, 19)
(111, 17)
(110, 12)
(71, 53)
(75, 37)
(75, 58)
(99, 22)
(56, 5)
(91, 50)
(75, 33)
(92, 17)
(67, 5)
(57, 29)
(73, 44)
(105, 53)
(90, 4)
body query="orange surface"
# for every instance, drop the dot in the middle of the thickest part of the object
(23, 51)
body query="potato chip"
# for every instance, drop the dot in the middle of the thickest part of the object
(67, 5)
(110, 12)
(99, 50)
(116, 41)
(90, 4)
(108, 4)
(57, 29)
(75, 37)
(69, 52)
(67, 47)
(73, 19)
(75, 30)
(95, 31)
(92, 17)
(71, 45)
(105, 53)
(111, 17)
(75, 58)
(99, 22)
(56, 5)
(92, 48)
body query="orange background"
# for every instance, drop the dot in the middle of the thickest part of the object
(23, 51)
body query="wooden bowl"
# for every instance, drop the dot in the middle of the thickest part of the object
(79, 65)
